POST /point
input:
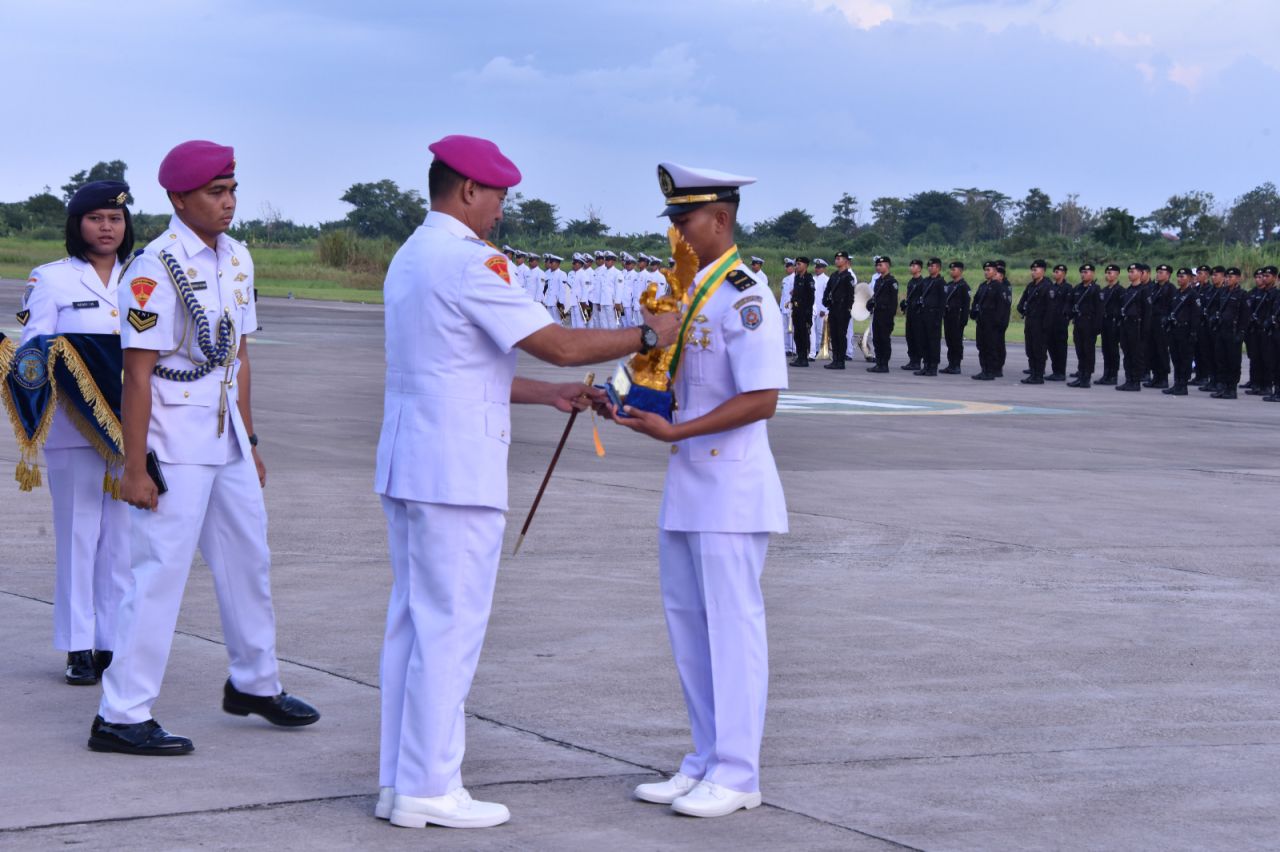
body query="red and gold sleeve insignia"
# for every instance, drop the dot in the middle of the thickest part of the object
(142, 320)
(498, 266)
(142, 289)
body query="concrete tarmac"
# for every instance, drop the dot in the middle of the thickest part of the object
(1005, 617)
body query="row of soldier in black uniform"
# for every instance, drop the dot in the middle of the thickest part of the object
(1193, 329)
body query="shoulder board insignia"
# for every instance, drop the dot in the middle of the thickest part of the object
(142, 320)
(746, 300)
(142, 288)
(740, 279)
(23, 317)
(498, 266)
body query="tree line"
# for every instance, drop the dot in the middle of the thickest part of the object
(964, 216)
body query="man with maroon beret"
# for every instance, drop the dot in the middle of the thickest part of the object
(192, 471)
(454, 321)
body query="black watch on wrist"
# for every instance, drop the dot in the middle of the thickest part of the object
(648, 338)
(253, 439)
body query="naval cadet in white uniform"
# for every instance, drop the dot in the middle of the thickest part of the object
(188, 304)
(90, 529)
(784, 302)
(453, 325)
(721, 501)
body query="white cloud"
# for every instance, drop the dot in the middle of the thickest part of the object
(1187, 76)
(863, 14)
(501, 69)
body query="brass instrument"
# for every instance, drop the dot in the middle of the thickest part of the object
(586, 311)
(861, 295)
(864, 344)
(824, 351)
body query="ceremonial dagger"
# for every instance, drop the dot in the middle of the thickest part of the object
(568, 427)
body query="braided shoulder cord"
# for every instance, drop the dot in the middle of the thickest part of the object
(215, 355)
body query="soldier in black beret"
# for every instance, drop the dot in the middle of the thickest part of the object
(1271, 334)
(838, 300)
(955, 316)
(1229, 323)
(1133, 318)
(802, 295)
(1110, 299)
(908, 306)
(1182, 325)
(1204, 292)
(1035, 307)
(1086, 313)
(1160, 302)
(1057, 322)
(884, 308)
(930, 303)
(975, 313)
(1259, 299)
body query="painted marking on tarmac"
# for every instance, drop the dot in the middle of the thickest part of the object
(848, 403)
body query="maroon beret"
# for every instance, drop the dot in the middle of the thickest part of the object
(477, 159)
(193, 164)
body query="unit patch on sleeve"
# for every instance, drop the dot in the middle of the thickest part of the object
(142, 320)
(142, 289)
(498, 265)
(751, 317)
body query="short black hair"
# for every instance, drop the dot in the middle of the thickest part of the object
(79, 249)
(442, 179)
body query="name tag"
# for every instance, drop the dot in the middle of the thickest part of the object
(199, 285)
(79, 306)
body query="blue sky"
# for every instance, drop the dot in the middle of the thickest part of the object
(1122, 102)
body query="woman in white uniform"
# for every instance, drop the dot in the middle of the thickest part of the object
(91, 530)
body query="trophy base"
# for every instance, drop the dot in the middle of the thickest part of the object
(623, 392)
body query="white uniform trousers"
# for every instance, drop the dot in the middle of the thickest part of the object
(575, 316)
(715, 618)
(815, 335)
(91, 536)
(788, 336)
(444, 563)
(554, 313)
(220, 509)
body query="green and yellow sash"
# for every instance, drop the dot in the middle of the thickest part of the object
(720, 269)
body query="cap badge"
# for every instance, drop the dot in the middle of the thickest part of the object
(665, 183)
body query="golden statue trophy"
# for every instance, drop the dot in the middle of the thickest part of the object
(645, 381)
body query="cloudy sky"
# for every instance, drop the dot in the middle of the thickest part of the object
(1121, 101)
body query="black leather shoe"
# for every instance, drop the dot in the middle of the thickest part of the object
(101, 661)
(1033, 379)
(999, 374)
(1129, 386)
(80, 670)
(1055, 377)
(146, 738)
(1209, 387)
(834, 365)
(1225, 393)
(1176, 390)
(1105, 380)
(284, 709)
(951, 371)
(1026, 372)
(910, 365)
(921, 372)
(800, 362)
(1247, 386)
(1256, 392)
(981, 377)
(1085, 383)
(879, 368)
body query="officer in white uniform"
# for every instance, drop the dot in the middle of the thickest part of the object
(784, 301)
(820, 279)
(186, 399)
(722, 499)
(90, 529)
(453, 323)
(627, 291)
(569, 294)
(587, 291)
(535, 279)
(757, 270)
(550, 295)
(614, 298)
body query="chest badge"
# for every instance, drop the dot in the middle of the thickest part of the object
(235, 261)
(240, 299)
(240, 276)
(191, 272)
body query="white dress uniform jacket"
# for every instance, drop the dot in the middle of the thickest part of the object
(450, 363)
(727, 481)
(91, 530)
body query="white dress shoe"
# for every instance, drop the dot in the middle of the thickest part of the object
(386, 798)
(712, 800)
(452, 810)
(666, 792)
